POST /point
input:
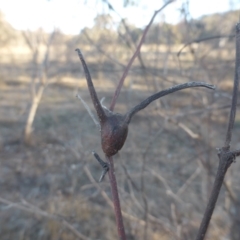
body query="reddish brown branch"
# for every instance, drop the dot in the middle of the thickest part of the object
(118, 89)
(116, 201)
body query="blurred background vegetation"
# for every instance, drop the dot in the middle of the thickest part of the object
(165, 170)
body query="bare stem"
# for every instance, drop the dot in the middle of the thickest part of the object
(116, 201)
(100, 112)
(226, 157)
(118, 89)
(158, 95)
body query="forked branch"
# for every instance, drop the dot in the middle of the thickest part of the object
(226, 157)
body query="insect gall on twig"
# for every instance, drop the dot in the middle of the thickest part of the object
(114, 126)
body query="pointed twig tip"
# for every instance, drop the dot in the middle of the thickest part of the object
(104, 172)
(104, 165)
(212, 87)
(78, 51)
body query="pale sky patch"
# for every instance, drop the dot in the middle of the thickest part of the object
(73, 15)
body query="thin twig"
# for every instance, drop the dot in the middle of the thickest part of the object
(89, 110)
(152, 219)
(231, 194)
(187, 183)
(121, 64)
(99, 49)
(158, 95)
(128, 32)
(169, 191)
(203, 40)
(118, 89)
